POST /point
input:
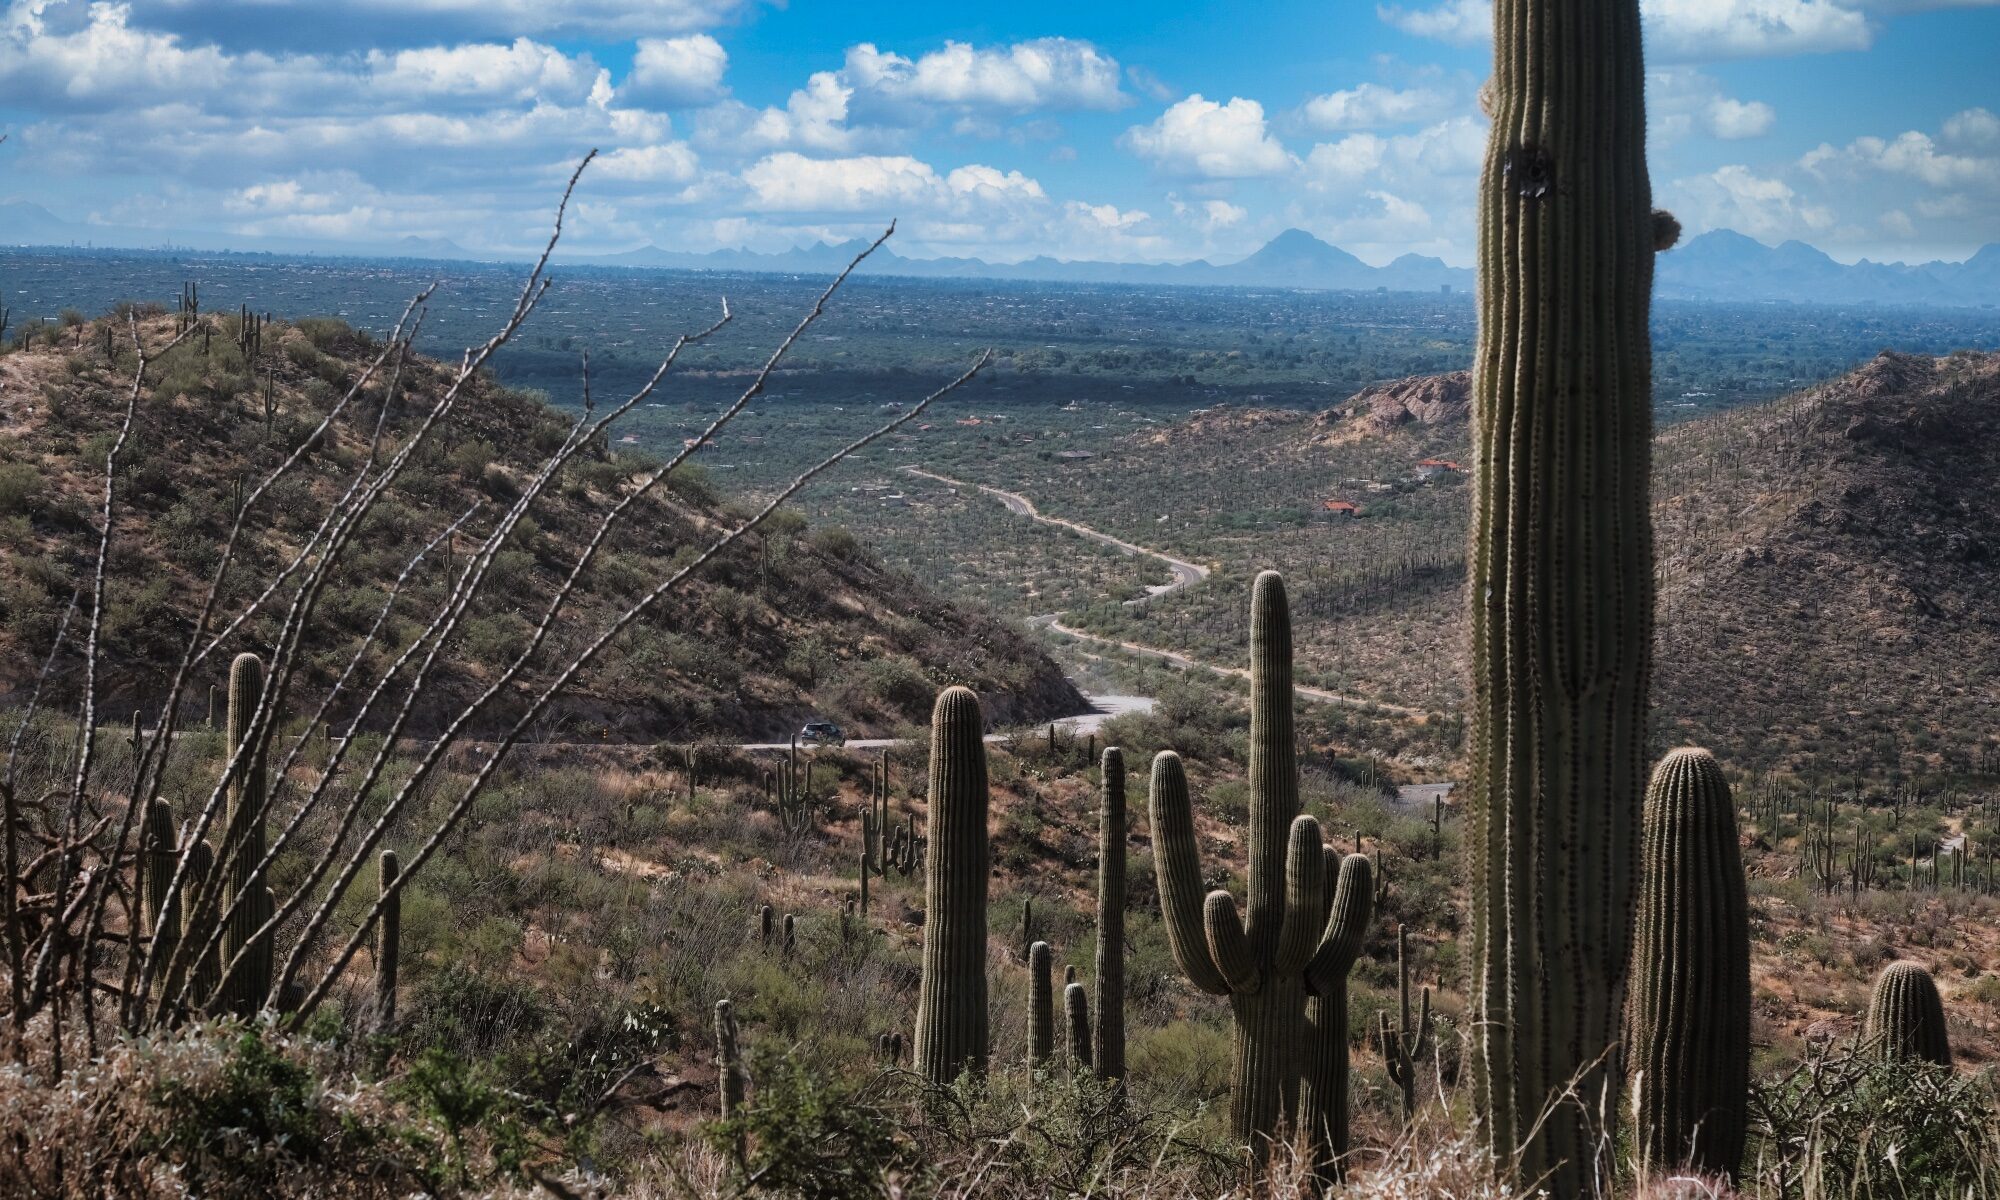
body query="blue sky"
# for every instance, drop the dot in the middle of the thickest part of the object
(1163, 131)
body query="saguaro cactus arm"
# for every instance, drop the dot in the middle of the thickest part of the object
(1177, 863)
(1346, 926)
(1305, 879)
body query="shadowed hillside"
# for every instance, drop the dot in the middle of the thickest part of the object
(794, 621)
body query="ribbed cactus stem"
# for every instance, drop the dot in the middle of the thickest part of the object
(1906, 1016)
(1560, 580)
(766, 923)
(249, 983)
(731, 1080)
(158, 855)
(1041, 1005)
(1689, 1031)
(1323, 1091)
(951, 1034)
(388, 943)
(865, 872)
(1076, 1006)
(1291, 936)
(207, 972)
(1108, 1057)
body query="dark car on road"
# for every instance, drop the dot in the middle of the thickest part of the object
(822, 733)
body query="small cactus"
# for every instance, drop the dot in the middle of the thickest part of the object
(388, 945)
(208, 971)
(731, 1079)
(1404, 1043)
(157, 857)
(766, 923)
(1041, 1006)
(1076, 1004)
(250, 982)
(951, 999)
(1906, 1016)
(1689, 1029)
(1109, 1049)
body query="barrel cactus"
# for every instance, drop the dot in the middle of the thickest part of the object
(249, 982)
(1906, 1016)
(1560, 586)
(1690, 1022)
(1108, 1054)
(1292, 934)
(951, 1035)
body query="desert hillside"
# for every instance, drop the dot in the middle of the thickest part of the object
(794, 621)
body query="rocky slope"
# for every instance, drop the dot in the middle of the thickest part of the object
(792, 623)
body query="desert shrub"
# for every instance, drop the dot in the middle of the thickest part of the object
(1846, 1123)
(324, 332)
(20, 487)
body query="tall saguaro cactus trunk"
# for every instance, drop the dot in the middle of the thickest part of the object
(244, 990)
(1561, 579)
(1109, 1056)
(951, 1000)
(1291, 935)
(1690, 1021)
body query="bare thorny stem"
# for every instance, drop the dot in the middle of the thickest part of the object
(90, 856)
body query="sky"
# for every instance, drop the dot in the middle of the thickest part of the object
(1163, 131)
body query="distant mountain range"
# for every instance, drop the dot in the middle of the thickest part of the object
(1721, 265)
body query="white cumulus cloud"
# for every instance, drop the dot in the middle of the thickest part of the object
(1731, 119)
(1202, 139)
(671, 72)
(1046, 73)
(1371, 106)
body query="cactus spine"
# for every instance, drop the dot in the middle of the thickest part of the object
(1560, 581)
(1041, 1005)
(1108, 1053)
(1690, 1028)
(951, 1034)
(249, 983)
(1262, 966)
(1906, 1016)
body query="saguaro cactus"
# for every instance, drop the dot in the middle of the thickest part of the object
(1323, 1099)
(1690, 1023)
(158, 854)
(1041, 1005)
(951, 1032)
(1108, 1056)
(1906, 1016)
(1405, 1043)
(388, 944)
(244, 844)
(1263, 965)
(1560, 581)
(200, 865)
(1076, 1006)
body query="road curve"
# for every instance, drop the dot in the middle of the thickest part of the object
(1102, 709)
(1186, 574)
(1177, 659)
